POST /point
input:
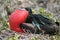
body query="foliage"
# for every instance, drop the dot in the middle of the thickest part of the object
(47, 15)
(11, 6)
(33, 38)
(5, 24)
(13, 38)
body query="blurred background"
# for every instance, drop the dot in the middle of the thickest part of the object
(48, 8)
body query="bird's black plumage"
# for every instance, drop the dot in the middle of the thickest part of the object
(41, 23)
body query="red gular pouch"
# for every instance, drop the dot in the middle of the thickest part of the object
(17, 18)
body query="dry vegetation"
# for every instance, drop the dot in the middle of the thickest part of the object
(7, 34)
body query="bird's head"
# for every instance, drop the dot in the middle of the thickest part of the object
(29, 10)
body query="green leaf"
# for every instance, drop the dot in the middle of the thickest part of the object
(41, 10)
(33, 38)
(10, 38)
(16, 37)
(33, 10)
(45, 14)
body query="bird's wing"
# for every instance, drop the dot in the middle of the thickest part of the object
(46, 24)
